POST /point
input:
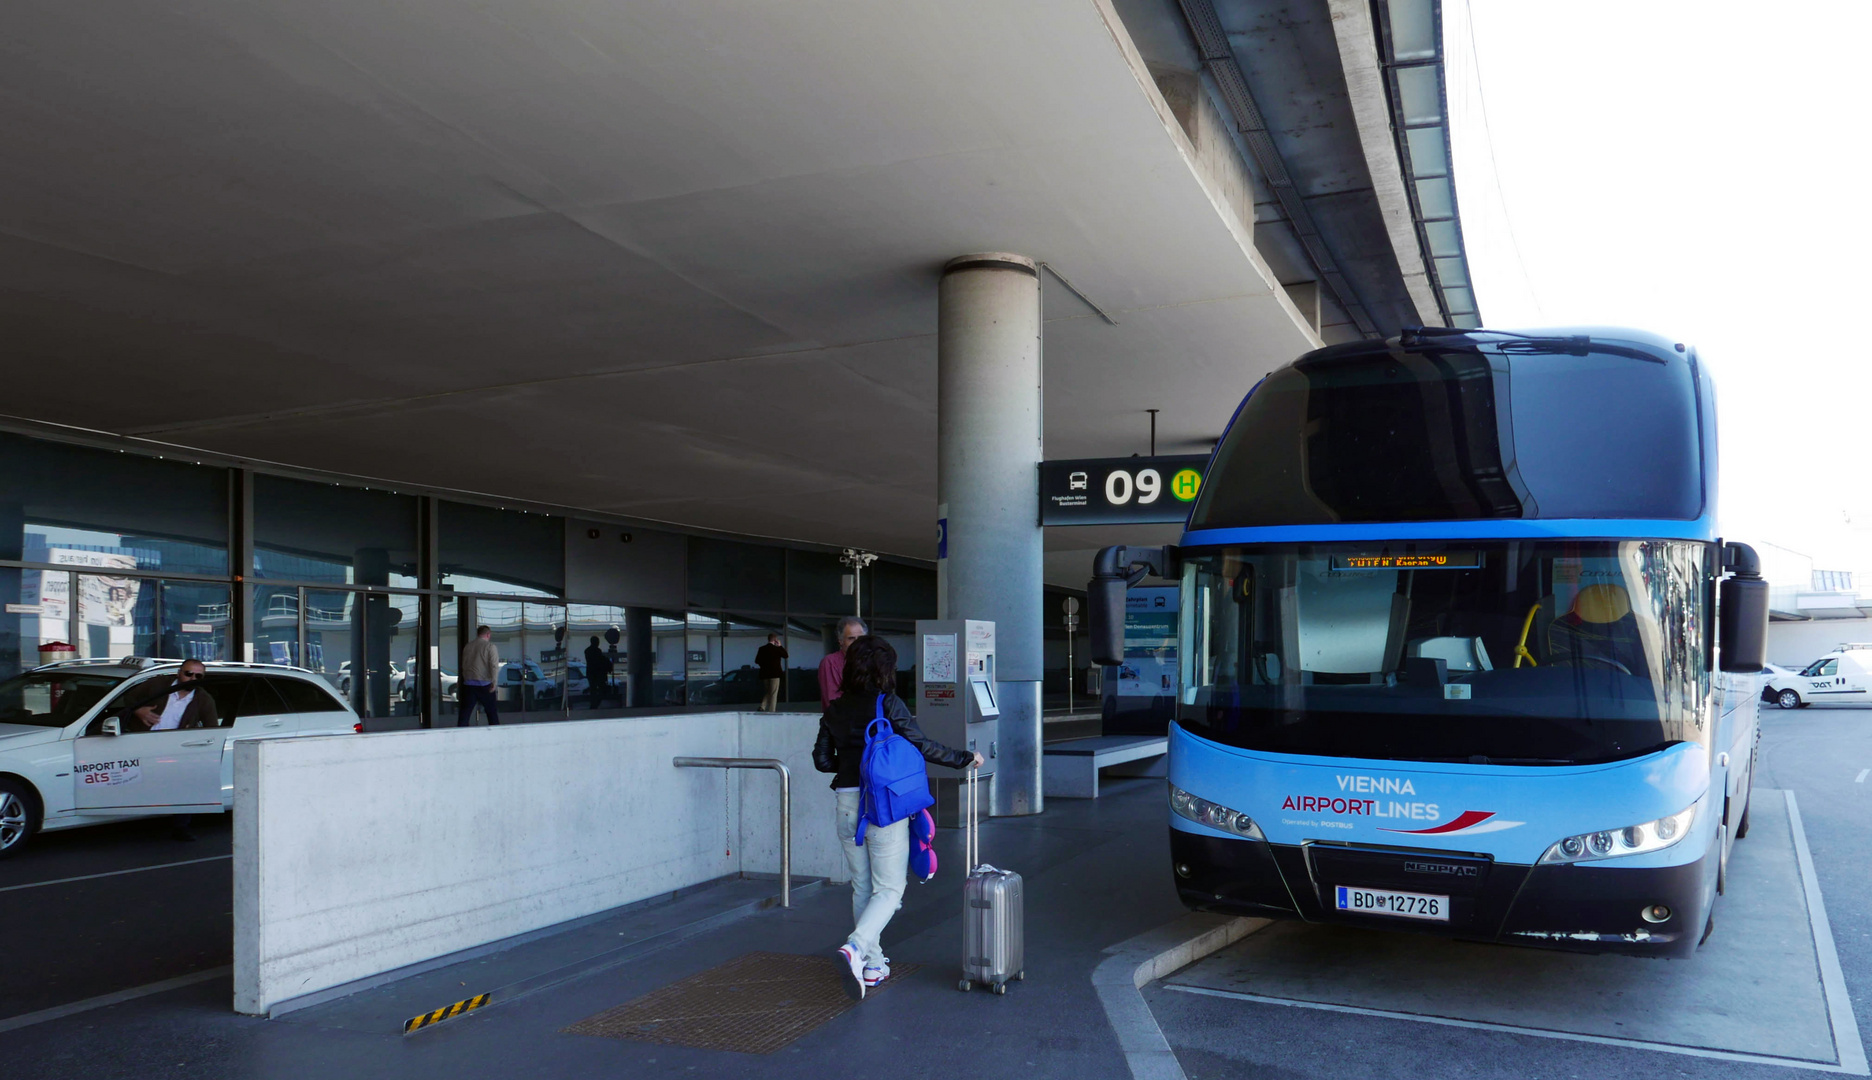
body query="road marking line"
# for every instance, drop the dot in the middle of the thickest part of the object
(14, 1023)
(113, 873)
(1852, 1055)
(1860, 779)
(1483, 1025)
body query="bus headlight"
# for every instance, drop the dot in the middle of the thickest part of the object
(1214, 815)
(1630, 840)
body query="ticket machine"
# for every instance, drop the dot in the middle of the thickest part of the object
(957, 703)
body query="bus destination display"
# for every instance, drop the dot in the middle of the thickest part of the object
(1449, 560)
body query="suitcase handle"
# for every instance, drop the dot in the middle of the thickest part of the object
(971, 844)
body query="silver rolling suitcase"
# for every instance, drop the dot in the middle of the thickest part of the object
(993, 930)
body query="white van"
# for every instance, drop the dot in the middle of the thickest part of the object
(1842, 677)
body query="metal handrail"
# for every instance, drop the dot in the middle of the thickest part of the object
(786, 806)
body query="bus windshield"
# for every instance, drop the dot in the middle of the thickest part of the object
(1503, 652)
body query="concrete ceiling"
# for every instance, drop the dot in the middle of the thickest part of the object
(673, 261)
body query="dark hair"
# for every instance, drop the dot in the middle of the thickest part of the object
(870, 668)
(594, 639)
(479, 630)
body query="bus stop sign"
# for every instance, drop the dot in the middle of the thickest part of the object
(1120, 491)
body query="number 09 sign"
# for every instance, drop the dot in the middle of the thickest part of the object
(1120, 491)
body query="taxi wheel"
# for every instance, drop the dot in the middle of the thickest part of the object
(1788, 699)
(19, 816)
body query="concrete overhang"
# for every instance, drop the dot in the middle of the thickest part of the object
(664, 261)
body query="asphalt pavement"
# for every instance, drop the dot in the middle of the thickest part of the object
(94, 911)
(1821, 754)
(97, 910)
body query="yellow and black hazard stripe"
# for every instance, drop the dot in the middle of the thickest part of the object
(446, 1012)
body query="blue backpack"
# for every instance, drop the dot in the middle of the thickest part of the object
(893, 784)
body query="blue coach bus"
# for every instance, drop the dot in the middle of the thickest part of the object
(1460, 650)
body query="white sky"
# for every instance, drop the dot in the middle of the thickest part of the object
(1696, 169)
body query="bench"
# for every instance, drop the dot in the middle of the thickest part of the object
(1071, 768)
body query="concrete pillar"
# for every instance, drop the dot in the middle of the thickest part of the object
(988, 445)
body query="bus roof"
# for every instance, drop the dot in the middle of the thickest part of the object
(1439, 434)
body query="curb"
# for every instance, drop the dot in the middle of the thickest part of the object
(1152, 955)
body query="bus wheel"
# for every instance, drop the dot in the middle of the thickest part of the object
(1788, 699)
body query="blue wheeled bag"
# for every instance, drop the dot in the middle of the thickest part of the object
(893, 782)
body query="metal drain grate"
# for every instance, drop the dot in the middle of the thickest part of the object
(753, 1004)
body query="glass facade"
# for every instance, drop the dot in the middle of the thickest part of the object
(106, 553)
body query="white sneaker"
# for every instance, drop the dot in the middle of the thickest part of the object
(877, 973)
(854, 974)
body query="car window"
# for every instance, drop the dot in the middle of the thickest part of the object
(302, 696)
(52, 698)
(257, 698)
(234, 697)
(1828, 668)
(147, 691)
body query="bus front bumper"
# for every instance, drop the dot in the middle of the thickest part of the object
(1593, 908)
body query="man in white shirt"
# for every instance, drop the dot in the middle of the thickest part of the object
(183, 704)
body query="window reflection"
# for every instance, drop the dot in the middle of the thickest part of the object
(392, 622)
(194, 621)
(725, 648)
(449, 632)
(544, 647)
(598, 665)
(276, 625)
(328, 640)
(505, 552)
(506, 619)
(88, 507)
(808, 642)
(668, 657)
(329, 533)
(116, 616)
(36, 615)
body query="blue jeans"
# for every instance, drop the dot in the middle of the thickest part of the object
(879, 870)
(470, 696)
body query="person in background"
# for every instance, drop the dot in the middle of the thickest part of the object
(832, 668)
(771, 659)
(597, 673)
(880, 867)
(480, 665)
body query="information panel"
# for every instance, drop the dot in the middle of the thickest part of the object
(1120, 491)
(1150, 643)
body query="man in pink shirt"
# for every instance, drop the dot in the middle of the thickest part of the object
(832, 668)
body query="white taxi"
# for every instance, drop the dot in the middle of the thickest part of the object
(61, 766)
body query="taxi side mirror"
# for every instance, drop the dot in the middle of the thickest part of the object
(112, 726)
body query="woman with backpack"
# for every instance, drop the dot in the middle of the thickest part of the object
(880, 865)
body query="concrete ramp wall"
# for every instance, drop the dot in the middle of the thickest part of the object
(358, 855)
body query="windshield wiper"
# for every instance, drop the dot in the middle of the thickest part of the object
(1528, 344)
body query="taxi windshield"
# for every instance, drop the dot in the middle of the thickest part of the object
(53, 698)
(1504, 652)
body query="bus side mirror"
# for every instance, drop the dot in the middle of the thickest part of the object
(1115, 570)
(1105, 606)
(1742, 612)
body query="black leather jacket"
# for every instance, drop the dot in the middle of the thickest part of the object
(840, 746)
